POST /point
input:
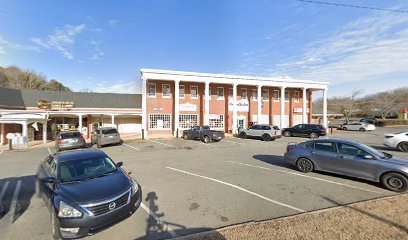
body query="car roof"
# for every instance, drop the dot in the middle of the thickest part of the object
(78, 154)
(337, 140)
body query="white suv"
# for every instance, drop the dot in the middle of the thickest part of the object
(397, 140)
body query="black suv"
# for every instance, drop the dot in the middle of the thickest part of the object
(85, 192)
(305, 130)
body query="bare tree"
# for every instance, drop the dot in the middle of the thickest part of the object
(348, 106)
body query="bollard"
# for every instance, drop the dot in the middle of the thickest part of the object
(331, 130)
(143, 134)
(177, 133)
(10, 142)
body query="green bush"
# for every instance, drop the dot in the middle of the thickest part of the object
(391, 122)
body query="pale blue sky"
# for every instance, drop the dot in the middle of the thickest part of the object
(101, 45)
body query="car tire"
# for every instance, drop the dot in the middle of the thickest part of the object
(403, 146)
(266, 137)
(287, 134)
(361, 129)
(55, 226)
(206, 139)
(395, 182)
(314, 136)
(186, 137)
(243, 135)
(344, 128)
(304, 165)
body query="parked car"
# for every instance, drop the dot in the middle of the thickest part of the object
(85, 191)
(69, 140)
(204, 133)
(358, 126)
(305, 130)
(262, 131)
(397, 140)
(105, 136)
(368, 120)
(350, 158)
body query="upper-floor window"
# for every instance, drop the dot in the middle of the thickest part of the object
(220, 93)
(296, 96)
(166, 90)
(265, 94)
(151, 90)
(276, 95)
(231, 93)
(194, 92)
(244, 93)
(286, 96)
(181, 91)
(254, 96)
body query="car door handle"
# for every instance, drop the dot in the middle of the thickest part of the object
(312, 152)
(339, 156)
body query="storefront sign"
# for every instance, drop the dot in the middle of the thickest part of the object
(188, 107)
(299, 110)
(242, 106)
(43, 104)
(62, 105)
(158, 109)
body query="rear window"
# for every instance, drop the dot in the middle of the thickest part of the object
(110, 131)
(276, 128)
(71, 135)
(266, 128)
(319, 127)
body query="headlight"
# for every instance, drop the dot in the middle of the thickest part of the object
(66, 210)
(135, 187)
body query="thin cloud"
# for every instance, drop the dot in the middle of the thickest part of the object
(113, 22)
(5, 44)
(62, 40)
(96, 53)
(118, 87)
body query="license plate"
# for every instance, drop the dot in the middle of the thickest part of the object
(110, 136)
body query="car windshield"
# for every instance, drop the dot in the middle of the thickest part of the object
(84, 169)
(70, 135)
(109, 131)
(376, 152)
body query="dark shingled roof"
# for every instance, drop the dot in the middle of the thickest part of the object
(29, 98)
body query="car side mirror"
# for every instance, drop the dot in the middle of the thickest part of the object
(119, 164)
(49, 180)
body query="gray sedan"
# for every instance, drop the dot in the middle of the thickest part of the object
(352, 159)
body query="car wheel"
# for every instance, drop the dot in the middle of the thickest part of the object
(243, 135)
(362, 129)
(266, 137)
(304, 165)
(403, 146)
(395, 182)
(344, 128)
(313, 135)
(55, 226)
(206, 139)
(186, 137)
(286, 134)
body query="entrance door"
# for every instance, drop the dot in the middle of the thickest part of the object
(241, 123)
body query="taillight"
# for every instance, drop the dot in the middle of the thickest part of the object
(82, 139)
(290, 148)
(117, 135)
(60, 141)
(102, 136)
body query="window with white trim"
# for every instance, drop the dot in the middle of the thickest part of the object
(276, 95)
(296, 96)
(166, 90)
(254, 95)
(220, 93)
(187, 121)
(216, 121)
(151, 90)
(286, 96)
(194, 92)
(265, 94)
(160, 121)
(231, 93)
(181, 91)
(244, 93)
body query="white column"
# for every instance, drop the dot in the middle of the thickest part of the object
(44, 126)
(207, 103)
(25, 134)
(282, 106)
(234, 109)
(176, 106)
(304, 113)
(113, 120)
(325, 122)
(144, 106)
(259, 103)
(80, 123)
(2, 134)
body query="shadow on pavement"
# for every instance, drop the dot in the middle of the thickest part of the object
(160, 229)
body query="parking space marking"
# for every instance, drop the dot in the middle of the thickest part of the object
(49, 150)
(232, 142)
(9, 218)
(158, 221)
(162, 143)
(301, 175)
(239, 188)
(3, 191)
(131, 146)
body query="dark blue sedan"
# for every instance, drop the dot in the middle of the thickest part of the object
(85, 192)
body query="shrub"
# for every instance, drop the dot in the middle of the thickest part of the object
(391, 122)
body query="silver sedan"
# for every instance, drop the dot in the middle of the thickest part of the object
(350, 158)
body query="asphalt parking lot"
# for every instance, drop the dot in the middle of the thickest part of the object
(189, 186)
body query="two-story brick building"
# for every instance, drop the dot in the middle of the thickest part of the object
(175, 100)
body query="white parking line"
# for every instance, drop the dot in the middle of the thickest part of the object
(131, 146)
(239, 188)
(3, 191)
(162, 143)
(158, 221)
(9, 218)
(301, 175)
(231, 142)
(49, 150)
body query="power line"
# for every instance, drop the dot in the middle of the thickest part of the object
(354, 6)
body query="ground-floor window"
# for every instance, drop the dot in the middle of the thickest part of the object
(187, 121)
(160, 121)
(216, 121)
